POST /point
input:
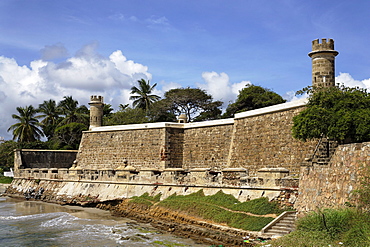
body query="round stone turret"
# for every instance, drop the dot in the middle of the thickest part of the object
(182, 118)
(96, 111)
(323, 66)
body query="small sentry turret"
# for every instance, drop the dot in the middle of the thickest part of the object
(323, 66)
(96, 111)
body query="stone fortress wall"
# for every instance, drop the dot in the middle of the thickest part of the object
(332, 185)
(251, 141)
(187, 146)
(185, 157)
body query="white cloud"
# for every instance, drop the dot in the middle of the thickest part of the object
(166, 86)
(347, 80)
(220, 87)
(87, 73)
(154, 20)
(291, 96)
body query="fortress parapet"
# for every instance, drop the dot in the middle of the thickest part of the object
(96, 99)
(325, 45)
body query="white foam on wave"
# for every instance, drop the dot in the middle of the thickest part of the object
(61, 220)
(29, 217)
(99, 233)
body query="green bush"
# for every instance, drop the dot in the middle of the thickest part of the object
(327, 227)
(300, 238)
(5, 180)
(331, 221)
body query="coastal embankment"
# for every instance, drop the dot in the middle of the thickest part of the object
(181, 224)
(169, 220)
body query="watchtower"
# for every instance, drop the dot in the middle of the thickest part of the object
(96, 111)
(323, 58)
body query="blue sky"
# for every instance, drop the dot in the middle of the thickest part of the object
(49, 49)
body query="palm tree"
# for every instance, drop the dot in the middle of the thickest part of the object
(144, 99)
(72, 112)
(50, 114)
(27, 130)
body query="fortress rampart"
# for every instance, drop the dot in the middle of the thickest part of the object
(252, 140)
(229, 155)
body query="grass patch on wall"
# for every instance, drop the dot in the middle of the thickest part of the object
(223, 208)
(260, 206)
(146, 199)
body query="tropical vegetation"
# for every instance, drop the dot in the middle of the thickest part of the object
(330, 227)
(28, 127)
(144, 97)
(339, 113)
(253, 97)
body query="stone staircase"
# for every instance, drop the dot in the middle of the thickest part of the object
(325, 148)
(280, 226)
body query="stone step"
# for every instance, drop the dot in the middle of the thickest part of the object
(288, 221)
(282, 229)
(288, 225)
(277, 232)
(289, 217)
(283, 225)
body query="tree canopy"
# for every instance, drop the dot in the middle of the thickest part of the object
(126, 115)
(339, 113)
(58, 124)
(144, 99)
(49, 112)
(28, 127)
(194, 102)
(72, 112)
(253, 97)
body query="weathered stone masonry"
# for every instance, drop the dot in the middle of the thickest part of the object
(252, 141)
(263, 139)
(331, 185)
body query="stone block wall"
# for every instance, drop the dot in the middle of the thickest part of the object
(265, 140)
(252, 140)
(32, 158)
(207, 147)
(323, 186)
(141, 148)
(174, 147)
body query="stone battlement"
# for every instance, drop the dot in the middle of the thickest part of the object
(324, 45)
(96, 99)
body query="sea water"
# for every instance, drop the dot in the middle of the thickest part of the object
(35, 223)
